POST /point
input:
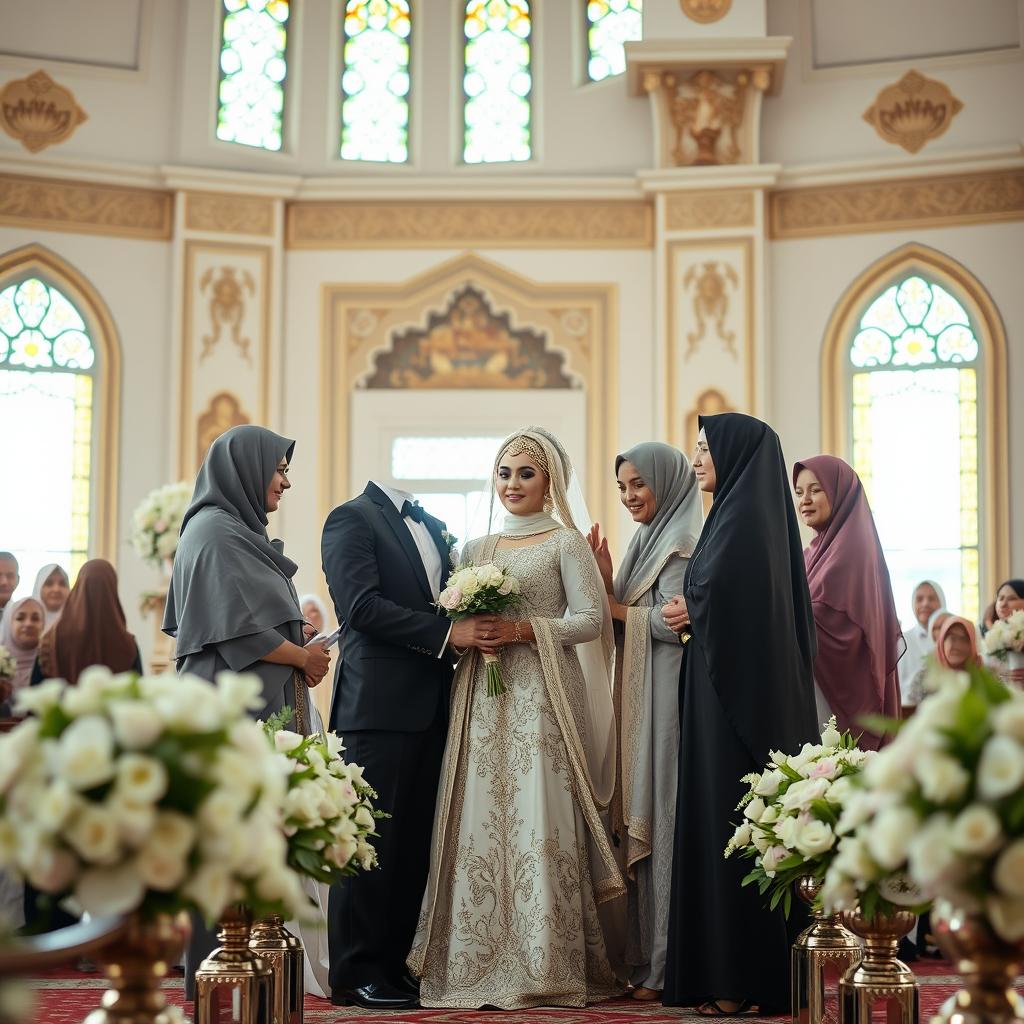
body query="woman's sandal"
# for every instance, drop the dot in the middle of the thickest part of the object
(712, 1009)
(646, 995)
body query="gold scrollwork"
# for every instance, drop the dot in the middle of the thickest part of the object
(705, 11)
(709, 402)
(224, 412)
(229, 214)
(913, 111)
(723, 208)
(706, 112)
(710, 303)
(227, 308)
(38, 112)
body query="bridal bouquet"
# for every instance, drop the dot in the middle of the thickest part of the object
(1006, 635)
(328, 810)
(476, 590)
(947, 799)
(150, 794)
(791, 812)
(157, 522)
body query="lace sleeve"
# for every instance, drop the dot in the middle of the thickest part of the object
(582, 585)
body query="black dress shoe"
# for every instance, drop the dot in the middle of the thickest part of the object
(376, 996)
(407, 982)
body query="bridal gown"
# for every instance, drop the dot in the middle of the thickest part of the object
(519, 861)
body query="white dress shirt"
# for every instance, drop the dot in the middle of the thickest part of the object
(421, 536)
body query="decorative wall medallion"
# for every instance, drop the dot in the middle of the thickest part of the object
(223, 413)
(913, 111)
(469, 346)
(706, 113)
(709, 403)
(705, 11)
(38, 112)
(227, 308)
(710, 302)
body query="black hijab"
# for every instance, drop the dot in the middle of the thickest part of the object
(746, 591)
(229, 579)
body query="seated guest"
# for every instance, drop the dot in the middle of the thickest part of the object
(9, 579)
(1009, 599)
(859, 636)
(51, 590)
(928, 598)
(91, 630)
(314, 611)
(20, 630)
(957, 646)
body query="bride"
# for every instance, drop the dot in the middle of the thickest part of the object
(520, 857)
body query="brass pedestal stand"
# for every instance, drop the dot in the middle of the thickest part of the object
(881, 977)
(232, 983)
(282, 953)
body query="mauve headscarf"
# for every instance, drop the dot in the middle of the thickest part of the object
(972, 638)
(847, 574)
(24, 657)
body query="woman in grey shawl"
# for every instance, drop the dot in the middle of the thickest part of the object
(658, 487)
(231, 605)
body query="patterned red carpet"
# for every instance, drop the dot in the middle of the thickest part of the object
(65, 997)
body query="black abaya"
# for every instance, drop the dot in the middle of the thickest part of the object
(746, 689)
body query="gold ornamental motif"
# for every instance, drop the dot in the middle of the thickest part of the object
(710, 303)
(706, 112)
(725, 208)
(38, 112)
(229, 214)
(224, 412)
(913, 111)
(710, 402)
(705, 11)
(227, 308)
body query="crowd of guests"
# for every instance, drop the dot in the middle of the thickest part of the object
(731, 640)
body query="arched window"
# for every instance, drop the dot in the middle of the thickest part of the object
(375, 81)
(610, 25)
(58, 398)
(253, 67)
(497, 81)
(915, 356)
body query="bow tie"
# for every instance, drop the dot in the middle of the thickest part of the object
(413, 511)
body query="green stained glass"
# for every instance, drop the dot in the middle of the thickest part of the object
(39, 327)
(253, 65)
(610, 25)
(497, 82)
(375, 81)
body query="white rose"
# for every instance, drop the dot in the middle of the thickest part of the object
(167, 544)
(1009, 870)
(219, 812)
(768, 784)
(302, 804)
(808, 752)
(830, 738)
(239, 692)
(772, 858)
(976, 830)
(888, 771)
(366, 855)
(838, 892)
(840, 791)
(761, 841)
(160, 869)
(741, 837)
(286, 741)
(172, 832)
(53, 870)
(363, 818)
(134, 821)
(801, 795)
(136, 723)
(506, 588)
(788, 830)
(1001, 768)
(852, 859)
(777, 757)
(335, 746)
(1008, 718)
(56, 804)
(211, 889)
(889, 836)
(1007, 917)
(140, 779)
(771, 815)
(754, 809)
(17, 749)
(355, 774)
(341, 852)
(37, 700)
(930, 857)
(815, 838)
(248, 737)
(105, 891)
(93, 833)
(281, 884)
(942, 778)
(858, 808)
(86, 752)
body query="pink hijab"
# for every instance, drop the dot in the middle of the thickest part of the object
(859, 635)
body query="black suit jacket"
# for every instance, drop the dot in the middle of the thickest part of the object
(390, 676)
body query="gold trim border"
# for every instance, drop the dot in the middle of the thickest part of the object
(187, 421)
(229, 214)
(994, 535)
(105, 496)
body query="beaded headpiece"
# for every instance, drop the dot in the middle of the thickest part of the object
(523, 445)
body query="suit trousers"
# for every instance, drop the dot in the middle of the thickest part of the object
(372, 916)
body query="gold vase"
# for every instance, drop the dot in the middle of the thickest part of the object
(987, 963)
(282, 953)
(825, 944)
(233, 985)
(880, 977)
(135, 964)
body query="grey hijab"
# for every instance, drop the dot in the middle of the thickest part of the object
(676, 524)
(229, 579)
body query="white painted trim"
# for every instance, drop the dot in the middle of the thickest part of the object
(683, 179)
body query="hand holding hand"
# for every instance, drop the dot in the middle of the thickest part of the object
(676, 617)
(316, 663)
(502, 634)
(603, 557)
(472, 631)
(308, 631)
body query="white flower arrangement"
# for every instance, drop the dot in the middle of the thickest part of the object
(791, 811)
(8, 666)
(149, 794)
(1006, 635)
(477, 590)
(329, 815)
(947, 801)
(157, 522)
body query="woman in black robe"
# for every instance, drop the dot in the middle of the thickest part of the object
(746, 689)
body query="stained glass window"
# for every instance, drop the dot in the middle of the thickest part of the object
(610, 25)
(915, 363)
(253, 67)
(375, 81)
(46, 401)
(497, 81)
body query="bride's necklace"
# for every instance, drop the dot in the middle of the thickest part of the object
(524, 536)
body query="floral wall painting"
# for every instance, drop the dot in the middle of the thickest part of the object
(38, 112)
(224, 412)
(913, 111)
(709, 281)
(227, 308)
(469, 346)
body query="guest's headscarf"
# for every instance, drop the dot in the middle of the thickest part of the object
(939, 593)
(746, 591)
(24, 657)
(91, 630)
(847, 573)
(37, 591)
(935, 615)
(676, 524)
(321, 607)
(974, 658)
(229, 579)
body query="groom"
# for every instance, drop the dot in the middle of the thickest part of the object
(386, 561)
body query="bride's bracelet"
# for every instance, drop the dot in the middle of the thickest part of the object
(517, 637)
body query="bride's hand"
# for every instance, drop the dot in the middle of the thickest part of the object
(505, 633)
(603, 557)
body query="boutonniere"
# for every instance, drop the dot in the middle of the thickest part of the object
(450, 541)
